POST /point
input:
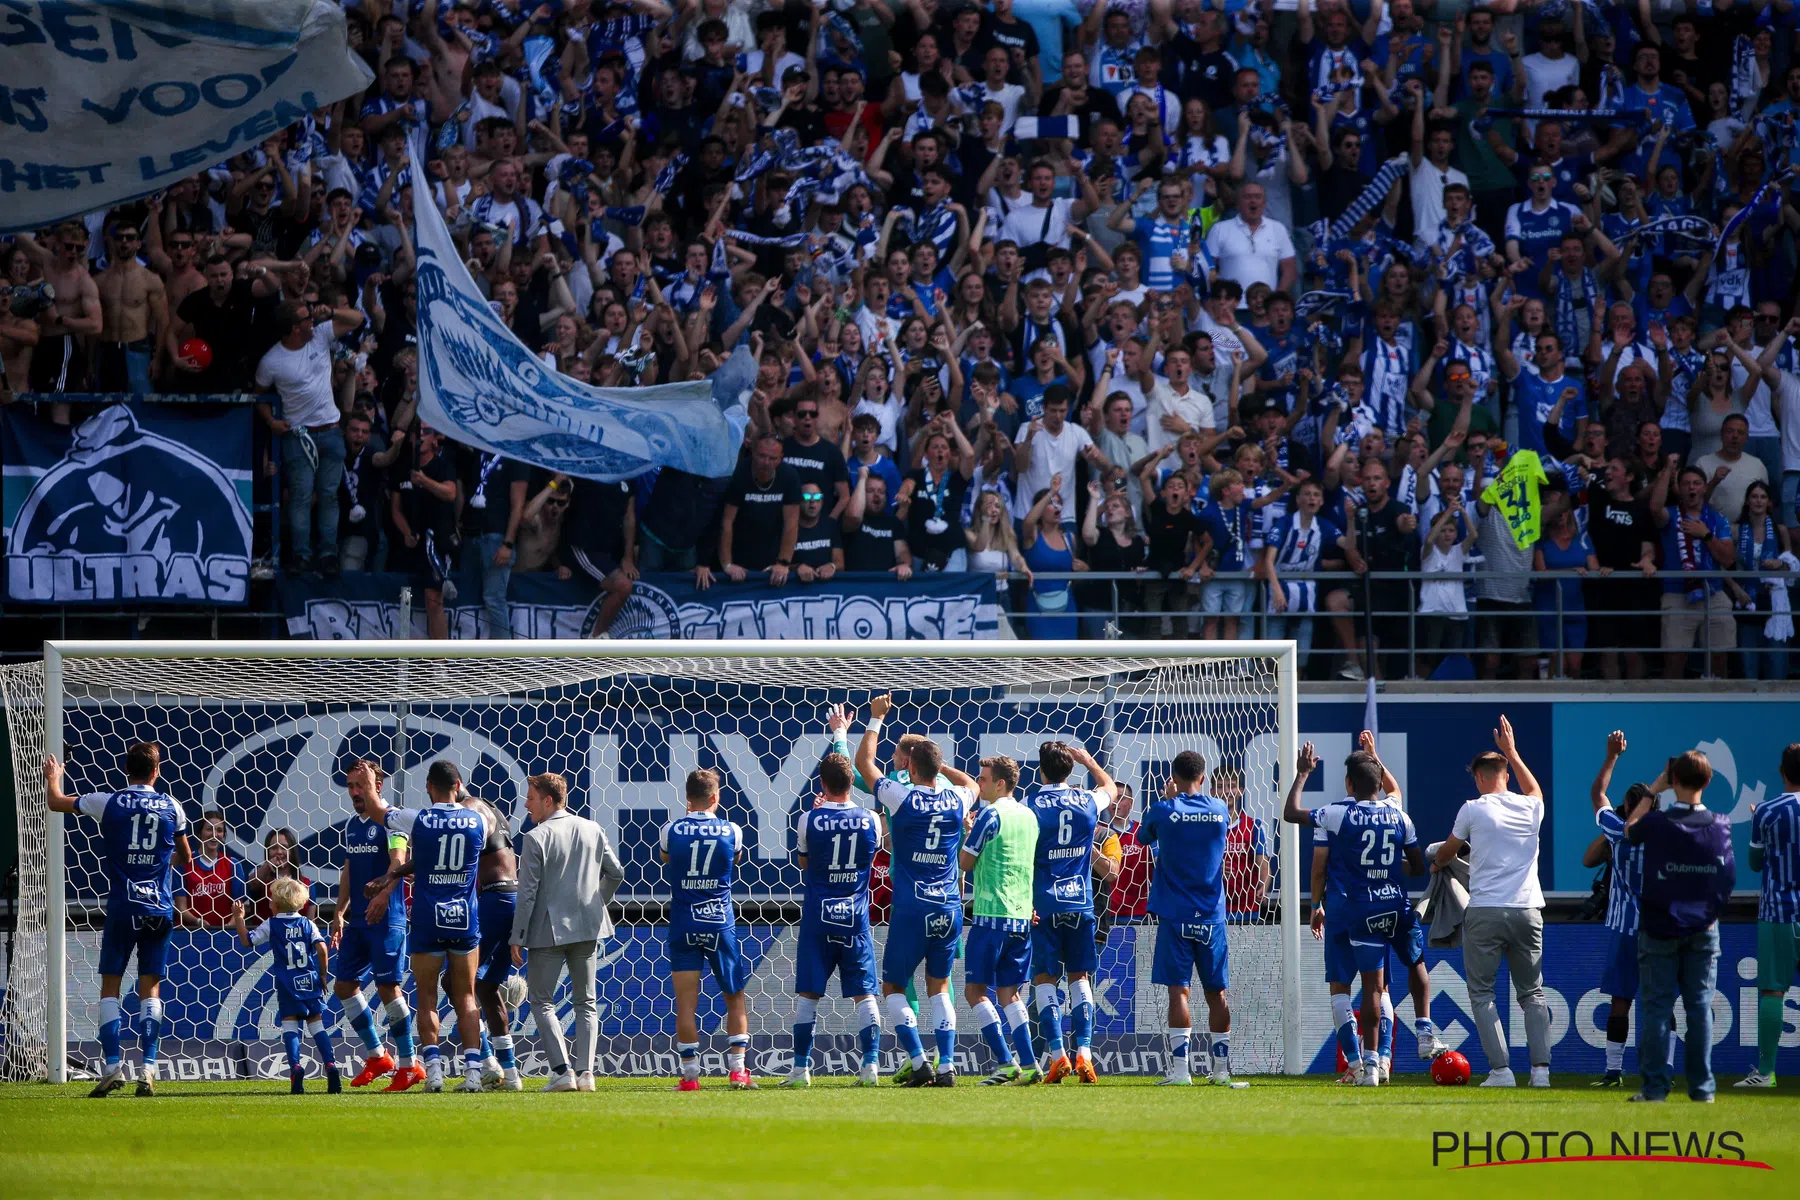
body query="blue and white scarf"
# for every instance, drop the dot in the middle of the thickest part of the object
(1568, 312)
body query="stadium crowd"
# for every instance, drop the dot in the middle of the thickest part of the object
(1199, 297)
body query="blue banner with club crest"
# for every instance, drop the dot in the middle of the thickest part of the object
(480, 385)
(139, 504)
(937, 606)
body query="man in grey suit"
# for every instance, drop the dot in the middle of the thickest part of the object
(568, 872)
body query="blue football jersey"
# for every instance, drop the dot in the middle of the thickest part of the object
(1366, 842)
(1627, 874)
(840, 842)
(291, 938)
(366, 859)
(926, 827)
(702, 849)
(137, 848)
(1187, 834)
(447, 840)
(1775, 829)
(1062, 875)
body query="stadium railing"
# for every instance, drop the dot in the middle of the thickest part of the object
(1187, 620)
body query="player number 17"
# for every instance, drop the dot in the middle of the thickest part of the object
(697, 867)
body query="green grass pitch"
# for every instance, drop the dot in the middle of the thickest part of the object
(1125, 1138)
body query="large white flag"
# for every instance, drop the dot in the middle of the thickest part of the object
(483, 387)
(104, 103)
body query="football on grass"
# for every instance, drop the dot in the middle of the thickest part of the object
(1450, 1069)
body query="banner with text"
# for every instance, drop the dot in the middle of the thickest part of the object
(853, 606)
(140, 504)
(102, 106)
(221, 1016)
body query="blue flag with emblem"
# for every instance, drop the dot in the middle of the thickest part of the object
(481, 386)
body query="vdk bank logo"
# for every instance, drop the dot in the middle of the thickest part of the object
(129, 515)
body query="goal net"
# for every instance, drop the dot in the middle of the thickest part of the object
(261, 733)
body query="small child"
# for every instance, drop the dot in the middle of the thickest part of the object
(1442, 602)
(301, 962)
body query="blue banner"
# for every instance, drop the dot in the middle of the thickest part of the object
(483, 387)
(1742, 739)
(138, 505)
(857, 606)
(221, 1020)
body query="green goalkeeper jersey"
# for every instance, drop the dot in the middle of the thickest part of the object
(1004, 840)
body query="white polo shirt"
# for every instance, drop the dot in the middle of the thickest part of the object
(1245, 255)
(1501, 829)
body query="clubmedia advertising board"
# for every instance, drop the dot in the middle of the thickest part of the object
(221, 1020)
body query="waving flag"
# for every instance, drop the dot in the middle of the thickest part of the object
(483, 387)
(106, 103)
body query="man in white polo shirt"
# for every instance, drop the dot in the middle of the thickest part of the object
(1505, 917)
(298, 368)
(1250, 248)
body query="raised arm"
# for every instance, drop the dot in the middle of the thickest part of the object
(879, 706)
(1291, 810)
(1504, 741)
(1615, 747)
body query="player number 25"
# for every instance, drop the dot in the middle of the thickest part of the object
(1370, 856)
(451, 852)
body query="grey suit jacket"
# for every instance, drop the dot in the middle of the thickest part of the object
(568, 872)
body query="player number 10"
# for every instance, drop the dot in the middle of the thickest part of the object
(451, 852)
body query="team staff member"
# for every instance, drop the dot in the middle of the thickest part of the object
(1689, 871)
(568, 873)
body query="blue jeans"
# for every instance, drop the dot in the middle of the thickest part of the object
(310, 483)
(493, 586)
(1687, 965)
(1280, 626)
(1763, 659)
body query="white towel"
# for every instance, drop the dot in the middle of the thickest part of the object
(1780, 626)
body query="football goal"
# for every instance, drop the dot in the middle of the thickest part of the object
(256, 737)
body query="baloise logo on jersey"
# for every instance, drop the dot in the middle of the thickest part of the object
(133, 505)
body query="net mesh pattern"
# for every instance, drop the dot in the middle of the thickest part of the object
(265, 742)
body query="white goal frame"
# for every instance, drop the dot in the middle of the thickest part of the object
(1281, 653)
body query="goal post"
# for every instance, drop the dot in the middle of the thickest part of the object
(260, 732)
